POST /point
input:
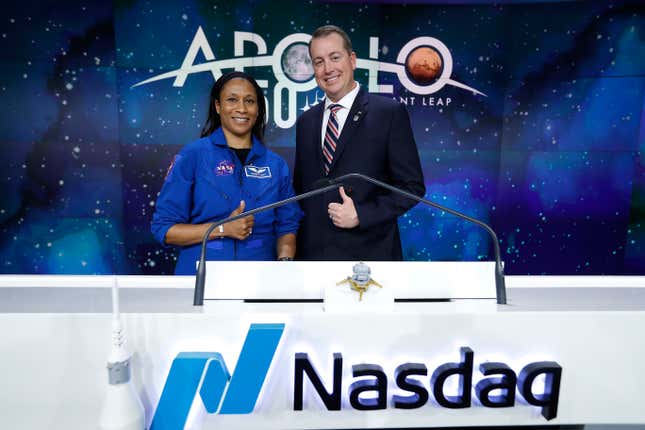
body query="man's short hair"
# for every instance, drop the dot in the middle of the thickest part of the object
(326, 30)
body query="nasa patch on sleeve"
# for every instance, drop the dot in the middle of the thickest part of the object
(172, 165)
(257, 172)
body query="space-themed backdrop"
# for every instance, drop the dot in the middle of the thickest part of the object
(528, 115)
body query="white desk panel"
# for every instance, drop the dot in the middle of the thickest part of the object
(56, 340)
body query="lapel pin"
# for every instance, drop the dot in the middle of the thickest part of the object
(357, 116)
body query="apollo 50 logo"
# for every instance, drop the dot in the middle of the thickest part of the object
(423, 66)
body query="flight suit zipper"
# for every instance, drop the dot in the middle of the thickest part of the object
(241, 182)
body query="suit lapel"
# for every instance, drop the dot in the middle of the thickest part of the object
(317, 118)
(356, 115)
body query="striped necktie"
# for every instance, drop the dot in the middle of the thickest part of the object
(331, 136)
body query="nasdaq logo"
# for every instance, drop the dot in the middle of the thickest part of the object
(369, 389)
(205, 374)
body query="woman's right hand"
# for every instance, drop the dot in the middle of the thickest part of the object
(242, 228)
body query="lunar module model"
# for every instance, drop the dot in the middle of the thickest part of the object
(361, 280)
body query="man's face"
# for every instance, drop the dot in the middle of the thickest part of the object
(333, 66)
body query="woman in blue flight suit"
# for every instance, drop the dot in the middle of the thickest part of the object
(227, 171)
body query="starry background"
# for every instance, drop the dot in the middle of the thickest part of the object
(551, 157)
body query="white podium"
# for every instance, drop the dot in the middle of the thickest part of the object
(55, 333)
(267, 280)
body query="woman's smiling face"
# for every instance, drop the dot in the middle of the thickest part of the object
(238, 107)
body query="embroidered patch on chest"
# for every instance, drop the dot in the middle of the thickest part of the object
(224, 168)
(257, 172)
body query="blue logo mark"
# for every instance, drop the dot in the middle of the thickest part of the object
(190, 368)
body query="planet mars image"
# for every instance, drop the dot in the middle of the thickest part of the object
(423, 64)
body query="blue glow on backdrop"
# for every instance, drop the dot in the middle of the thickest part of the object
(540, 131)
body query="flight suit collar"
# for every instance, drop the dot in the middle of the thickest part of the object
(257, 149)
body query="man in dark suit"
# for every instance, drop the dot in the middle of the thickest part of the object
(353, 131)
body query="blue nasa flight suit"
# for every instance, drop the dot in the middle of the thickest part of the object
(206, 183)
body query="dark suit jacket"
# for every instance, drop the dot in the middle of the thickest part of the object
(377, 141)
